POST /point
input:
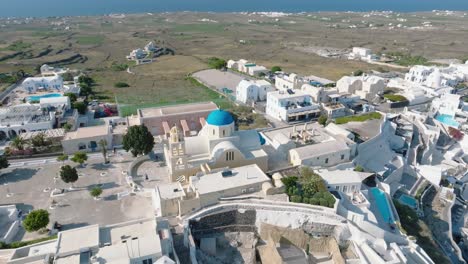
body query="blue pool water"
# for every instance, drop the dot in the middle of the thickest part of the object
(383, 205)
(409, 201)
(38, 97)
(448, 120)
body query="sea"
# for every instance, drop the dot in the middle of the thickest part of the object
(49, 8)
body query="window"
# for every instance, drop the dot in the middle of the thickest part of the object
(148, 261)
(345, 189)
(326, 161)
(224, 132)
(229, 155)
(342, 156)
(213, 132)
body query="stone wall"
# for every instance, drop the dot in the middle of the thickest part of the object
(300, 239)
(229, 221)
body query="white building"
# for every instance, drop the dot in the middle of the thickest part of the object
(256, 70)
(60, 102)
(253, 91)
(207, 189)
(48, 83)
(137, 54)
(291, 81)
(363, 54)
(291, 105)
(312, 144)
(141, 241)
(217, 145)
(87, 139)
(437, 77)
(366, 87)
(418, 74)
(18, 119)
(325, 154)
(47, 70)
(150, 47)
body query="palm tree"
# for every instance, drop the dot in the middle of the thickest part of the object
(103, 145)
(18, 143)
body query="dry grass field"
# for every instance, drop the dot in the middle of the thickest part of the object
(93, 44)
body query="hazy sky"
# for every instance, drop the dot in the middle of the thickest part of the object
(95, 7)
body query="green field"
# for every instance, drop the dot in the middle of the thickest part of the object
(90, 40)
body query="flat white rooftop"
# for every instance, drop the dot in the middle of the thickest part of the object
(240, 176)
(177, 109)
(285, 95)
(87, 132)
(343, 176)
(171, 190)
(71, 241)
(320, 149)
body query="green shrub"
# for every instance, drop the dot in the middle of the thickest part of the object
(323, 120)
(395, 97)
(276, 69)
(314, 201)
(119, 67)
(323, 202)
(359, 168)
(121, 85)
(296, 199)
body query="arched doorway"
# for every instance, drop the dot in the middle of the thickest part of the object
(3, 136)
(12, 134)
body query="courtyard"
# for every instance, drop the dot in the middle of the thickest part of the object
(30, 188)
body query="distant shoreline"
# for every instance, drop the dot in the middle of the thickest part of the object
(273, 13)
(40, 9)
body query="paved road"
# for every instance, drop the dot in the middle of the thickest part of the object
(53, 160)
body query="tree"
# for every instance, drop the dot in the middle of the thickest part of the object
(289, 181)
(39, 140)
(79, 157)
(323, 120)
(276, 69)
(67, 77)
(358, 73)
(95, 192)
(216, 63)
(62, 158)
(18, 143)
(81, 107)
(36, 220)
(4, 162)
(72, 97)
(67, 127)
(85, 90)
(138, 140)
(84, 79)
(68, 174)
(103, 144)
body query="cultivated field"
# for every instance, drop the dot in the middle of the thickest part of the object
(94, 44)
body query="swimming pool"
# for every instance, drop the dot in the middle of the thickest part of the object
(409, 201)
(383, 205)
(448, 120)
(38, 97)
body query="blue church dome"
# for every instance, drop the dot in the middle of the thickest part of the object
(219, 118)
